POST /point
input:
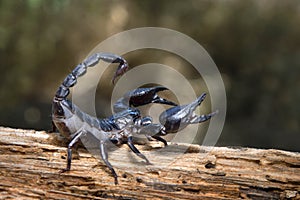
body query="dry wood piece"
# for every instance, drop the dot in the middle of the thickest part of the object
(30, 162)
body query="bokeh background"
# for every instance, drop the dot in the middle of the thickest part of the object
(255, 44)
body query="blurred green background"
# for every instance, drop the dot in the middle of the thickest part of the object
(255, 44)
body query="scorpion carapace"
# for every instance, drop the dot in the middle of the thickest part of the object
(126, 121)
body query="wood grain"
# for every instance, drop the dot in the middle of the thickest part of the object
(30, 162)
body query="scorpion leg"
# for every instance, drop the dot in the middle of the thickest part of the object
(152, 131)
(157, 138)
(135, 150)
(53, 128)
(70, 146)
(104, 156)
(160, 139)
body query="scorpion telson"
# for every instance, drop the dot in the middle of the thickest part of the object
(126, 121)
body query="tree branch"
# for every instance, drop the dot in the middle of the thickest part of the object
(30, 162)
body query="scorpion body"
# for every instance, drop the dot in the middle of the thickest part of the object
(119, 128)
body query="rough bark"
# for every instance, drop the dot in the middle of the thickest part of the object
(30, 162)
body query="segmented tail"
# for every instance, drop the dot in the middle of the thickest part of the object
(64, 89)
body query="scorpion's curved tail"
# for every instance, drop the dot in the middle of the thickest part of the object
(64, 89)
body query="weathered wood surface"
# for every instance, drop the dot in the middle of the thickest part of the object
(30, 162)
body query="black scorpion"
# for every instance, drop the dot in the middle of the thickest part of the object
(126, 121)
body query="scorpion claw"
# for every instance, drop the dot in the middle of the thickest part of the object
(140, 97)
(143, 96)
(177, 118)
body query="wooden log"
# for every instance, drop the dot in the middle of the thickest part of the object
(30, 162)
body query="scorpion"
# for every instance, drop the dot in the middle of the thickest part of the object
(74, 124)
